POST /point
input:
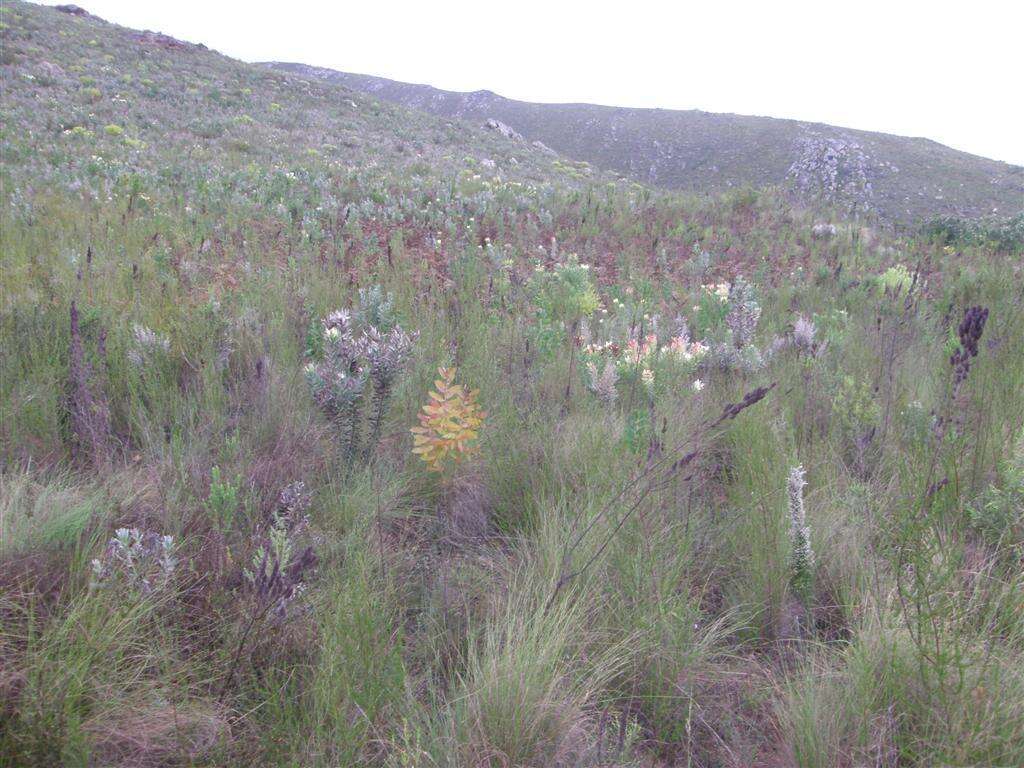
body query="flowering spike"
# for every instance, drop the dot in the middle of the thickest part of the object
(801, 555)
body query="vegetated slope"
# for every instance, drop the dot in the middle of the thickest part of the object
(699, 151)
(699, 481)
(80, 93)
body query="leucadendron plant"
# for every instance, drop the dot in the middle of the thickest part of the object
(447, 441)
(449, 424)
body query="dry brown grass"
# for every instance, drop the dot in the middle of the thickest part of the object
(154, 733)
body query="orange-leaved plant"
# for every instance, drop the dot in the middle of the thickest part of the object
(449, 423)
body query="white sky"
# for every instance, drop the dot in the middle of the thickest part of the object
(953, 72)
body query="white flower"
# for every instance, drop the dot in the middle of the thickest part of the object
(697, 385)
(719, 290)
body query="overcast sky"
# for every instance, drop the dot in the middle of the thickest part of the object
(953, 72)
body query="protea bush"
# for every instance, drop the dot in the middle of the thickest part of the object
(357, 349)
(622, 350)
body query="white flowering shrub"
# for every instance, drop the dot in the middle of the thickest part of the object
(711, 308)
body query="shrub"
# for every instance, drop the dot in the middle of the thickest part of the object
(353, 349)
(1004, 234)
(896, 280)
(563, 295)
(141, 561)
(223, 500)
(449, 424)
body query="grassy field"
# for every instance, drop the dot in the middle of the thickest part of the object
(368, 456)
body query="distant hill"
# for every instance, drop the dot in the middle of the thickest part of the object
(698, 151)
(84, 99)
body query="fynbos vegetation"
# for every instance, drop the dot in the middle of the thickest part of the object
(325, 443)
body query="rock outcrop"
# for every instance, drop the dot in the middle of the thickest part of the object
(505, 130)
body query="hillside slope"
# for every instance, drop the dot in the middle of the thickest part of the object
(706, 152)
(85, 99)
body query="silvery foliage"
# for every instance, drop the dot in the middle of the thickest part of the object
(700, 262)
(236, 330)
(584, 333)
(824, 231)
(803, 335)
(338, 379)
(22, 205)
(744, 312)
(147, 345)
(727, 357)
(365, 346)
(376, 308)
(833, 169)
(294, 501)
(140, 560)
(386, 353)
